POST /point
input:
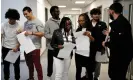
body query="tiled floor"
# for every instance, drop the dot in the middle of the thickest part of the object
(24, 70)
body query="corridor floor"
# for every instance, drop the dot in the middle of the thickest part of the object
(72, 70)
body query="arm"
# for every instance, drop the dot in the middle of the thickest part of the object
(47, 32)
(87, 33)
(53, 44)
(39, 32)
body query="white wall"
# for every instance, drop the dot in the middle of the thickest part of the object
(48, 6)
(16, 4)
(97, 3)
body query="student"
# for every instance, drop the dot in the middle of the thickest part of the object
(60, 36)
(82, 61)
(51, 25)
(99, 26)
(35, 30)
(9, 35)
(120, 44)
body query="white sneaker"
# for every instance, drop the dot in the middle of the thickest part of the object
(48, 78)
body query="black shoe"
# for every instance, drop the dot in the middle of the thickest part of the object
(95, 78)
(84, 78)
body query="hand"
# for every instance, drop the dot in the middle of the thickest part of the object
(86, 33)
(15, 49)
(103, 44)
(60, 46)
(28, 33)
(19, 31)
(106, 32)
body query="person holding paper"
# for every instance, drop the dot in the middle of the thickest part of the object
(35, 30)
(51, 25)
(10, 42)
(120, 44)
(61, 36)
(84, 61)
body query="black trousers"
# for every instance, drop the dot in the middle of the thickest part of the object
(7, 65)
(50, 63)
(118, 65)
(86, 62)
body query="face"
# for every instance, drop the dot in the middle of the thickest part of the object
(81, 21)
(56, 13)
(96, 16)
(27, 14)
(68, 25)
(111, 12)
(12, 21)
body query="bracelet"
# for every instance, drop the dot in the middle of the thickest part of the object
(32, 33)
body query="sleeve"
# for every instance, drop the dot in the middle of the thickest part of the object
(40, 28)
(2, 28)
(53, 44)
(47, 31)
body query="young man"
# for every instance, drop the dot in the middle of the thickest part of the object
(51, 25)
(35, 30)
(10, 42)
(99, 26)
(121, 43)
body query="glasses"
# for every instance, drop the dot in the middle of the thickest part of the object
(81, 20)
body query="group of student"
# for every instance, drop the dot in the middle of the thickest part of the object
(57, 32)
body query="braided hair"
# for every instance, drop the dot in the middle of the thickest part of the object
(63, 26)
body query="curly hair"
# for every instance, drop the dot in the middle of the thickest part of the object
(12, 14)
(95, 11)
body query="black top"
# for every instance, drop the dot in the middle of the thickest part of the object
(58, 39)
(121, 43)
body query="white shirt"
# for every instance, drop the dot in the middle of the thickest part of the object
(9, 33)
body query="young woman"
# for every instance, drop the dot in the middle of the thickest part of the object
(60, 36)
(82, 61)
(10, 42)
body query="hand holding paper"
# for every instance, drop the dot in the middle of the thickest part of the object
(66, 51)
(12, 56)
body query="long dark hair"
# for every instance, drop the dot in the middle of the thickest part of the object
(88, 24)
(63, 26)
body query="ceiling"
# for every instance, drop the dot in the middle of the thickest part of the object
(70, 3)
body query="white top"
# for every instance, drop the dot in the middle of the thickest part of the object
(10, 35)
(94, 24)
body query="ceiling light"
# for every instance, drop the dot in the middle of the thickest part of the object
(75, 9)
(62, 6)
(79, 2)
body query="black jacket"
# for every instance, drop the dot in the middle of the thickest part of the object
(121, 43)
(57, 39)
(97, 33)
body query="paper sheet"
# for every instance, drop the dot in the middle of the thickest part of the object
(66, 51)
(83, 43)
(26, 42)
(77, 34)
(12, 56)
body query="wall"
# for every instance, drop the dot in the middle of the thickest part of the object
(48, 6)
(97, 3)
(16, 4)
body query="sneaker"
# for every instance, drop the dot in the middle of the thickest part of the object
(48, 78)
(95, 78)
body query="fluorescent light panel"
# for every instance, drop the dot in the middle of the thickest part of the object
(62, 6)
(75, 9)
(79, 2)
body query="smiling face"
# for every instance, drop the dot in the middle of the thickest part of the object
(27, 14)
